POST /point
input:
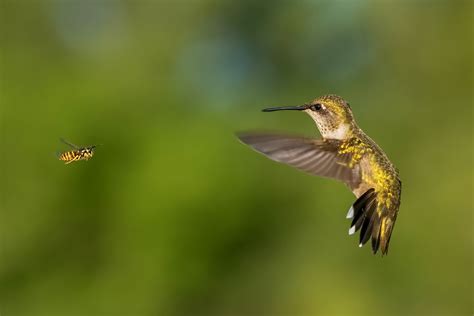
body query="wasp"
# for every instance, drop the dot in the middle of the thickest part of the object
(78, 153)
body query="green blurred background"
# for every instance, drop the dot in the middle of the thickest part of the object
(173, 216)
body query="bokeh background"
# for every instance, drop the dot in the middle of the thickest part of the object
(173, 216)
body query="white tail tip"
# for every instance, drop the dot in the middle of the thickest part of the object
(360, 245)
(350, 214)
(352, 230)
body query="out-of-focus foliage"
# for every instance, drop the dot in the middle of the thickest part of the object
(173, 216)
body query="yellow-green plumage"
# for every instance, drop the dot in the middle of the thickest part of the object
(344, 153)
(377, 172)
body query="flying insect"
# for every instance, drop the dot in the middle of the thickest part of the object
(77, 153)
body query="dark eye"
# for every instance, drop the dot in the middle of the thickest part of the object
(316, 107)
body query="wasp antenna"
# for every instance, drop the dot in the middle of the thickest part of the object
(94, 146)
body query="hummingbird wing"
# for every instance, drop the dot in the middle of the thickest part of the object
(321, 157)
(316, 156)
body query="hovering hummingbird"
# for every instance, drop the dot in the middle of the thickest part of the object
(344, 153)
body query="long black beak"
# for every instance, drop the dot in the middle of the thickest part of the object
(283, 108)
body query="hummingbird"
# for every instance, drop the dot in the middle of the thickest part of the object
(344, 153)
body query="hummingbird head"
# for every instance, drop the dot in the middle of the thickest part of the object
(331, 113)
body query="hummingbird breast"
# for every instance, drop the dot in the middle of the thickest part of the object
(379, 173)
(376, 170)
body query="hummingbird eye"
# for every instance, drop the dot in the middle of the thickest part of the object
(316, 107)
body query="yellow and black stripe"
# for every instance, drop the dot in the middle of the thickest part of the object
(70, 156)
(78, 153)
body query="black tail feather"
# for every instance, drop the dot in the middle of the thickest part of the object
(376, 234)
(360, 204)
(367, 219)
(366, 230)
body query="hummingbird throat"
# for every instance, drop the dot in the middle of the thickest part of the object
(331, 127)
(340, 132)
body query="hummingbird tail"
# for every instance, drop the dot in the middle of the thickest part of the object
(386, 228)
(373, 221)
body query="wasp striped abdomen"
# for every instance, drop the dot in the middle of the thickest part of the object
(70, 156)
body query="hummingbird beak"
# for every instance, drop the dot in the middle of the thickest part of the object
(283, 108)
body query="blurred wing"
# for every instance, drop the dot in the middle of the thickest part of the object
(315, 156)
(68, 143)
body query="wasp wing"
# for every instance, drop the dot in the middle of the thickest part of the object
(316, 156)
(68, 143)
